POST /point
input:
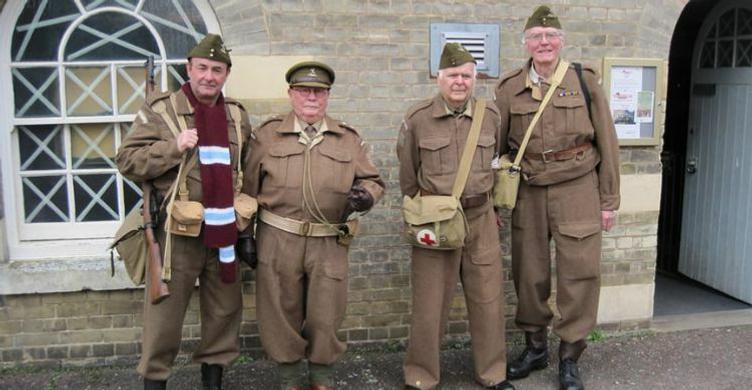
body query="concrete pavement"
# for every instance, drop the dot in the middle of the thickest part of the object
(717, 358)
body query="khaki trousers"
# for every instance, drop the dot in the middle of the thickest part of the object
(569, 213)
(301, 293)
(220, 305)
(434, 281)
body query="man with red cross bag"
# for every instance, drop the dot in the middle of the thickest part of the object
(433, 136)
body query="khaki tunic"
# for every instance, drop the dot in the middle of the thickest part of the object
(150, 152)
(301, 282)
(560, 199)
(429, 149)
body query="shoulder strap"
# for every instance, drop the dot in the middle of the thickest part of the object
(236, 117)
(561, 70)
(467, 154)
(585, 91)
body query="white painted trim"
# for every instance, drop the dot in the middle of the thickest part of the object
(89, 240)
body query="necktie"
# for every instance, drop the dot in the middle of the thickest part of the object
(310, 131)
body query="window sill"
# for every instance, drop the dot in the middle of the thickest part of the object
(55, 276)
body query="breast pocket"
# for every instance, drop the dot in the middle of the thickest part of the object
(435, 156)
(484, 153)
(284, 167)
(335, 169)
(571, 111)
(521, 115)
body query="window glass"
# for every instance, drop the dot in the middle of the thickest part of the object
(78, 81)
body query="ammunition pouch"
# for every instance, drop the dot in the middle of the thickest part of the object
(245, 208)
(186, 218)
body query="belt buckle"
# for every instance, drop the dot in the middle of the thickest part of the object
(305, 228)
(545, 155)
(580, 155)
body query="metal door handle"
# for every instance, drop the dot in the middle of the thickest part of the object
(692, 165)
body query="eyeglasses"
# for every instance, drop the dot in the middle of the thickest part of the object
(307, 91)
(550, 36)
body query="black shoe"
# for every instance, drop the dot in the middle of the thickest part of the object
(505, 385)
(569, 376)
(154, 385)
(530, 360)
(211, 376)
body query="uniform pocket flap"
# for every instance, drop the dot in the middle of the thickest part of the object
(336, 154)
(579, 230)
(285, 150)
(486, 141)
(527, 108)
(568, 102)
(433, 143)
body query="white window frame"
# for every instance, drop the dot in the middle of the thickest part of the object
(67, 240)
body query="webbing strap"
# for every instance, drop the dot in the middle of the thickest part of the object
(561, 70)
(470, 145)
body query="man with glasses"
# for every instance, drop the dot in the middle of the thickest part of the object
(569, 193)
(312, 176)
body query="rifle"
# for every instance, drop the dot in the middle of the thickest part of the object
(158, 290)
(149, 79)
(157, 287)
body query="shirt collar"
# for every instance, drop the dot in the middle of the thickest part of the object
(468, 111)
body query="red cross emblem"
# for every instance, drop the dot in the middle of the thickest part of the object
(427, 237)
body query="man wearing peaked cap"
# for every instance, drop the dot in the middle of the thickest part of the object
(431, 140)
(312, 177)
(569, 193)
(310, 74)
(196, 120)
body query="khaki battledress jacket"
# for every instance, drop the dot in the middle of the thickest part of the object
(302, 281)
(430, 146)
(150, 152)
(561, 197)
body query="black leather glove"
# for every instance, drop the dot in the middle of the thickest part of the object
(359, 199)
(245, 249)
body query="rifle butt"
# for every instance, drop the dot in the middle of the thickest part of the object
(158, 290)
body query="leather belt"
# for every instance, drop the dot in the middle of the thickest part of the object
(469, 201)
(561, 155)
(303, 228)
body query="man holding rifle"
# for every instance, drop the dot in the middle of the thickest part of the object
(186, 143)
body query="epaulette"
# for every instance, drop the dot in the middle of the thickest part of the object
(421, 105)
(508, 75)
(157, 96)
(492, 107)
(229, 100)
(586, 67)
(276, 118)
(347, 126)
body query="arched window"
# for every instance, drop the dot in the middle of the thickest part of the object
(77, 72)
(728, 42)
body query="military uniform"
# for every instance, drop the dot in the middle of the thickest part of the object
(431, 141)
(150, 152)
(301, 288)
(570, 173)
